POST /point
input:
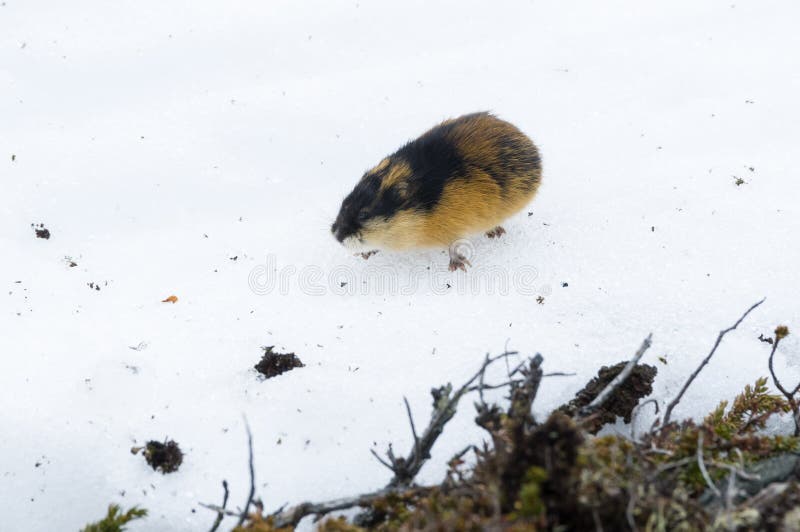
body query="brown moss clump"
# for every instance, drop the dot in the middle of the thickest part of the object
(273, 364)
(621, 403)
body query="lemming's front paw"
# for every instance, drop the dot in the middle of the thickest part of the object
(497, 232)
(367, 254)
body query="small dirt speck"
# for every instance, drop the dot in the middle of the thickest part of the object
(41, 231)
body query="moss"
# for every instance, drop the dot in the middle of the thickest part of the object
(115, 520)
(338, 524)
(530, 503)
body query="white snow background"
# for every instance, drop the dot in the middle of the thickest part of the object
(158, 140)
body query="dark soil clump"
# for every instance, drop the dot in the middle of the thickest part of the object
(165, 457)
(273, 364)
(41, 231)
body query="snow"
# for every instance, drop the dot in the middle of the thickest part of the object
(157, 140)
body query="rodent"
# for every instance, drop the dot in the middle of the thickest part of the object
(463, 176)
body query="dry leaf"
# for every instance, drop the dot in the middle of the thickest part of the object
(170, 299)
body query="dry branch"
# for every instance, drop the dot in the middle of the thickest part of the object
(780, 333)
(722, 333)
(603, 396)
(405, 469)
(294, 515)
(252, 492)
(221, 511)
(445, 402)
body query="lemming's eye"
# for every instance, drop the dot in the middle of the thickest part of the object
(362, 215)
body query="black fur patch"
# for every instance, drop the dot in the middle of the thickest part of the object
(434, 160)
(387, 205)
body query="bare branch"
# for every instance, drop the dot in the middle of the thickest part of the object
(635, 412)
(629, 509)
(221, 513)
(411, 422)
(483, 374)
(445, 402)
(786, 393)
(252, 493)
(295, 514)
(693, 376)
(559, 374)
(444, 408)
(220, 509)
(381, 460)
(603, 396)
(701, 464)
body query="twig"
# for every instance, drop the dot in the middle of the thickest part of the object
(739, 472)
(730, 492)
(669, 465)
(404, 469)
(220, 509)
(674, 402)
(411, 422)
(702, 466)
(629, 510)
(252, 493)
(483, 374)
(294, 515)
(444, 408)
(635, 413)
(789, 395)
(221, 514)
(603, 396)
(381, 460)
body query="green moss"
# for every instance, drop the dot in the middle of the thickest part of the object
(530, 502)
(115, 520)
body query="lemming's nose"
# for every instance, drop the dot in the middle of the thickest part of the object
(338, 232)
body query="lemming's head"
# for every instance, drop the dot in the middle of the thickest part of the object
(368, 211)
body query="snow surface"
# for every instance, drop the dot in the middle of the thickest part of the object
(157, 140)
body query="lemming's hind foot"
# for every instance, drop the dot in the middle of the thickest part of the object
(497, 232)
(457, 260)
(459, 263)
